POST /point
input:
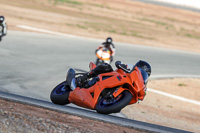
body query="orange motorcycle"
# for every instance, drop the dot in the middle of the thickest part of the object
(103, 55)
(108, 92)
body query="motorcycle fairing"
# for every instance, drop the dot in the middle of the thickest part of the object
(92, 66)
(103, 54)
(138, 84)
(83, 97)
(70, 78)
(89, 97)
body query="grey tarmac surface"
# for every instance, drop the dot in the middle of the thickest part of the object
(32, 64)
(161, 3)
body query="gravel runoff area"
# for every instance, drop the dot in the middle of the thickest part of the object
(19, 118)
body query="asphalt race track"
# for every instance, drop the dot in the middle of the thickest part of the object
(169, 4)
(32, 64)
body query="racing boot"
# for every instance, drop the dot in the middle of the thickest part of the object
(80, 81)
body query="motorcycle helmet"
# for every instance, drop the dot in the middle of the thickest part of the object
(1, 19)
(144, 66)
(109, 40)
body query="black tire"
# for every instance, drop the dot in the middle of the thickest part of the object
(60, 94)
(116, 107)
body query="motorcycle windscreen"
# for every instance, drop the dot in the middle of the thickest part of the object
(70, 78)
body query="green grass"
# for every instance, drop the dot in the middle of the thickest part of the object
(81, 26)
(112, 31)
(192, 36)
(97, 5)
(77, 25)
(170, 19)
(157, 22)
(182, 84)
(67, 1)
(133, 33)
(189, 33)
(169, 106)
(124, 33)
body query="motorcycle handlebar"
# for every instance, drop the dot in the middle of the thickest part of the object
(117, 63)
(119, 66)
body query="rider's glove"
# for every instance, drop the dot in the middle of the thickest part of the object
(119, 64)
(91, 74)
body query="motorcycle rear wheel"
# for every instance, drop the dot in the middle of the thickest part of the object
(60, 94)
(114, 106)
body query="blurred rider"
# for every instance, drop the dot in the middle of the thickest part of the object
(108, 44)
(3, 27)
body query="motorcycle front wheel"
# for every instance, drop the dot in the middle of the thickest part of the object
(114, 105)
(60, 94)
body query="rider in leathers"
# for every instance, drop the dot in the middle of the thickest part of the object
(108, 44)
(104, 68)
(3, 29)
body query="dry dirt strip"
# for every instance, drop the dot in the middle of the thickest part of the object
(137, 125)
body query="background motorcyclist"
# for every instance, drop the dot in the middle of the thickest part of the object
(104, 68)
(108, 44)
(3, 27)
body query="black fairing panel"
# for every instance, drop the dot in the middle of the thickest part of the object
(70, 76)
